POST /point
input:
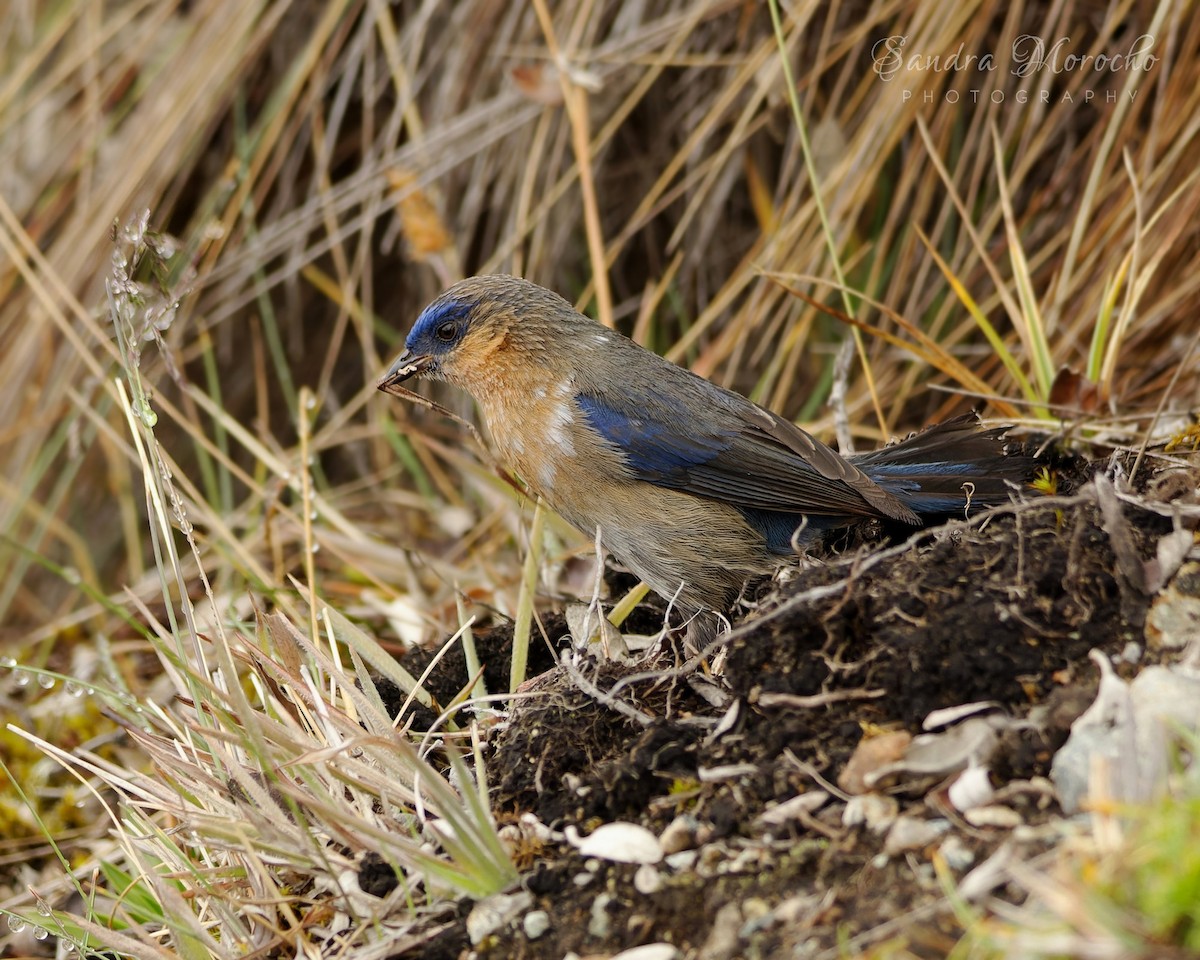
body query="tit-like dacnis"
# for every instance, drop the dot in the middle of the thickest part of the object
(693, 487)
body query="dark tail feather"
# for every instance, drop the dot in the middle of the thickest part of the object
(942, 469)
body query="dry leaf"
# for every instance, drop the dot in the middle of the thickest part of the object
(420, 222)
(539, 83)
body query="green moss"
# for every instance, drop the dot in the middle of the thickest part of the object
(1159, 875)
(46, 793)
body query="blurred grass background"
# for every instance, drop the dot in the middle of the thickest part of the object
(285, 184)
(328, 167)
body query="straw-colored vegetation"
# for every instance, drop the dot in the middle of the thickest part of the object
(217, 220)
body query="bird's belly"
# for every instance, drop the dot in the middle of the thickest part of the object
(696, 550)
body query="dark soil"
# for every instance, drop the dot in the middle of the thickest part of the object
(1005, 610)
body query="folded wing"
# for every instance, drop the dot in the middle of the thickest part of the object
(732, 450)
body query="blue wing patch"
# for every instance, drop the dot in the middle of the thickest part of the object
(652, 447)
(692, 436)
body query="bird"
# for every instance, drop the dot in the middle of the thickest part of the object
(692, 487)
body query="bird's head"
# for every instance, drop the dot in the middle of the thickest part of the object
(471, 330)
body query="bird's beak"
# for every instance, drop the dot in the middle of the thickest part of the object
(408, 364)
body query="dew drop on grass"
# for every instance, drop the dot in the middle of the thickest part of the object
(43, 908)
(40, 933)
(74, 689)
(45, 681)
(21, 679)
(7, 663)
(16, 924)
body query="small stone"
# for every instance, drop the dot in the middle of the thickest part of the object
(971, 788)
(956, 853)
(680, 834)
(909, 833)
(723, 942)
(600, 924)
(647, 880)
(650, 951)
(536, 923)
(683, 860)
(1005, 818)
(494, 912)
(873, 810)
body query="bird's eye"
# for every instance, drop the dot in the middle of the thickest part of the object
(447, 331)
